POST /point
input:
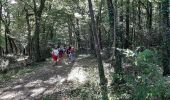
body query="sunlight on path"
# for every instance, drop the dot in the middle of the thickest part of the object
(49, 79)
(36, 92)
(82, 56)
(10, 95)
(78, 74)
(33, 84)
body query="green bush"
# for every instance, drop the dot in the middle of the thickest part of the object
(147, 82)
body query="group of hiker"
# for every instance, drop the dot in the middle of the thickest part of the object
(59, 53)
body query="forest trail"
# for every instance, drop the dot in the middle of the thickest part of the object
(48, 80)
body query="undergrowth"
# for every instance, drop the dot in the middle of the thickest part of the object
(17, 72)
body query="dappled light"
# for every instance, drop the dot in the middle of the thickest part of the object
(11, 95)
(78, 74)
(53, 80)
(33, 84)
(17, 86)
(3, 64)
(59, 66)
(37, 91)
(65, 74)
(84, 50)
(22, 58)
(81, 56)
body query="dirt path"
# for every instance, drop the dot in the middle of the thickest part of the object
(47, 80)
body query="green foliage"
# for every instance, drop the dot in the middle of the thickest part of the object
(147, 81)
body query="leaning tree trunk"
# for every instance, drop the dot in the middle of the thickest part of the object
(100, 64)
(166, 33)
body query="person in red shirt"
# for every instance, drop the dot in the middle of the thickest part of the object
(55, 53)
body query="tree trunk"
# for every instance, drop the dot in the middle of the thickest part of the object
(127, 39)
(7, 32)
(10, 44)
(140, 38)
(133, 39)
(38, 13)
(118, 40)
(14, 45)
(91, 39)
(78, 34)
(100, 64)
(0, 26)
(111, 21)
(166, 33)
(36, 37)
(70, 34)
(149, 22)
(29, 32)
(6, 42)
(51, 32)
(98, 23)
(139, 16)
(160, 22)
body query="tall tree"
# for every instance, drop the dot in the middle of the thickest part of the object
(166, 33)
(77, 33)
(139, 21)
(111, 20)
(37, 13)
(100, 64)
(0, 26)
(6, 20)
(149, 21)
(127, 39)
(98, 22)
(27, 15)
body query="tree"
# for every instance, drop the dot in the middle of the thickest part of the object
(6, 21)
(149, 20)
(27, 15)
(166, 34)
(111, 23)
(100, 65)
(127, 39)
(0, 27)
(37, 13)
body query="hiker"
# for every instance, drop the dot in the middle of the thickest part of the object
(68, 51)
(61, 54)
(55, 54)
(72, 54)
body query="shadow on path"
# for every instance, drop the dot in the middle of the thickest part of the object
(46, 80)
